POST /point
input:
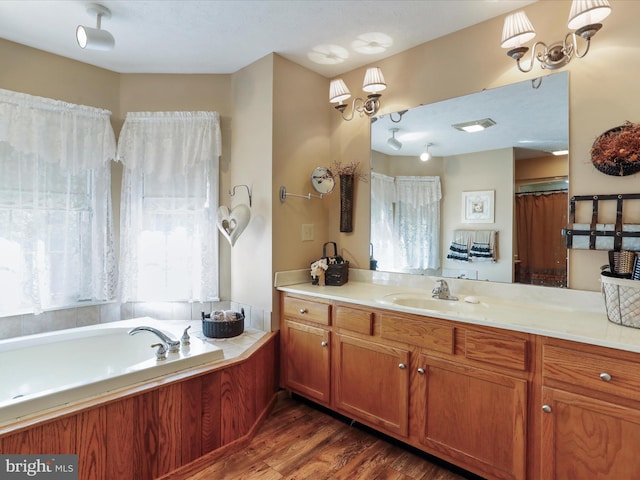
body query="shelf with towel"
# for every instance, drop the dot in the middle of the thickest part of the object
(474, 246)
(598, 235)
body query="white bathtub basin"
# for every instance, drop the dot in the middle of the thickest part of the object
(38, 372)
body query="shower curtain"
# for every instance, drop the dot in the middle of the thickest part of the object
(542, 251)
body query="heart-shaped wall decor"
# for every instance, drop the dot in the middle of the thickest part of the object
(232, 223)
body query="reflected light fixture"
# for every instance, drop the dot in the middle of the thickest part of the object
(95, 38)
(373, 83)
(392, 141)
(474, 126)
(584, 21)
(426, 156)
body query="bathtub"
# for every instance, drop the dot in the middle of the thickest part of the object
(47, 371)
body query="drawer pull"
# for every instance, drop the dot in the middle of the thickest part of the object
(605, 376)
(546, 408)
(402, 366)
(421, 371)
(303, 311)
(324, 344)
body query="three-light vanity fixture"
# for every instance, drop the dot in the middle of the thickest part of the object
(373, 83)
(95, 38)
(584, 21)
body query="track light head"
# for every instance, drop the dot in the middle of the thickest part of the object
(95, 38)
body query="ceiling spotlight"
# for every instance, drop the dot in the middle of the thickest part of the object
(426, 156)
(393, 142)
(95, 38)
(475, 125)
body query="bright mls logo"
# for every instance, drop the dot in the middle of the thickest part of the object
(50, 467)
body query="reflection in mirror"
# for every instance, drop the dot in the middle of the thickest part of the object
(417, 206)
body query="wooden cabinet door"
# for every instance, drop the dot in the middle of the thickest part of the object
(307, 366)
(473, 417)
(586, 438)
(371, 383)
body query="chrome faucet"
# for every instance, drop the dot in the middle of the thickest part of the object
(174, 345)
(442, 292)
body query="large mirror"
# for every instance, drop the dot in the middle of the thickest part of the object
(489, 204)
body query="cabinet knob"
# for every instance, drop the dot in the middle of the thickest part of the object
(605, 376)
(421, 371)
(402, 366)
(303, 310)
(546, 408)
(324, 344)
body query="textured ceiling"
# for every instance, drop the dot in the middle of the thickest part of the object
(218, 36)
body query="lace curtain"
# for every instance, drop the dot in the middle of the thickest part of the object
(56, 225)
(383, 199)
(168, 237)
(405, 222)
(418, 222)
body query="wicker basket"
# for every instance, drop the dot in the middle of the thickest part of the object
(622, 300)
(606, 159)
(338, 269)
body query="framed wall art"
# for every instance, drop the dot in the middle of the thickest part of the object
(478, 207)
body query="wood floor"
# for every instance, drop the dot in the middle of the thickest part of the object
(298, 441)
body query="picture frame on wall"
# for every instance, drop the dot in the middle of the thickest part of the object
(478, 206)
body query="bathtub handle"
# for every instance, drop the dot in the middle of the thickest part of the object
(185, 340)
(161, 353)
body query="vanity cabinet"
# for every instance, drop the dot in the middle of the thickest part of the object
(306, 341)
(451, 389)
(590, 412)
(371, 382)
(473, 416)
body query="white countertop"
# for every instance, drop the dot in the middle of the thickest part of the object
(559, 313)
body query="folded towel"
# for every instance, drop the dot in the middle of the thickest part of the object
(458, 251)
(481, 252)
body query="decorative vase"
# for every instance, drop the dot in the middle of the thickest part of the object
(346, 202)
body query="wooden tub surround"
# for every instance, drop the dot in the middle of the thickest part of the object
(499, 402)
(152, 430)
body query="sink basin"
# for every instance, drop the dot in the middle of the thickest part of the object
(425, 302)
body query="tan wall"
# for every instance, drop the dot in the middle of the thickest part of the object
(550, 166)
(490, 170)
(601, 87)
(252, 147)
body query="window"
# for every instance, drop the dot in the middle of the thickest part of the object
(169, 242)
(56, 232)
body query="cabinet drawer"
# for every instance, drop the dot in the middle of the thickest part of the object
(504, 351)
(353, 319)
(590, 370)
(423, 333)
(307, 310)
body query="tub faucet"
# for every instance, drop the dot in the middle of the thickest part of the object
(174, 345)
(442, 291)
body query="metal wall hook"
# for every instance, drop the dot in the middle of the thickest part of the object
(233, 191)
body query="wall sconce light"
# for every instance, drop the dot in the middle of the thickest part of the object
(95, 38)
(373, 83)
(426, 156)
(392, 141)
(584, 18)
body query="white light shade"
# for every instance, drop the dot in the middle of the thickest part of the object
(425, 156)
(373, 80)
(587, 12)
(517, 30)
(94, 38)
(338, 91)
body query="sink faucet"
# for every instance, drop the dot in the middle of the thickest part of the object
(174, 345)
(442, 292)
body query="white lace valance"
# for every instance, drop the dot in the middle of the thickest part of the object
(168, 143)
(76, 137)
(418, 191)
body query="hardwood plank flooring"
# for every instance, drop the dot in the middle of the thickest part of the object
(301, 442)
